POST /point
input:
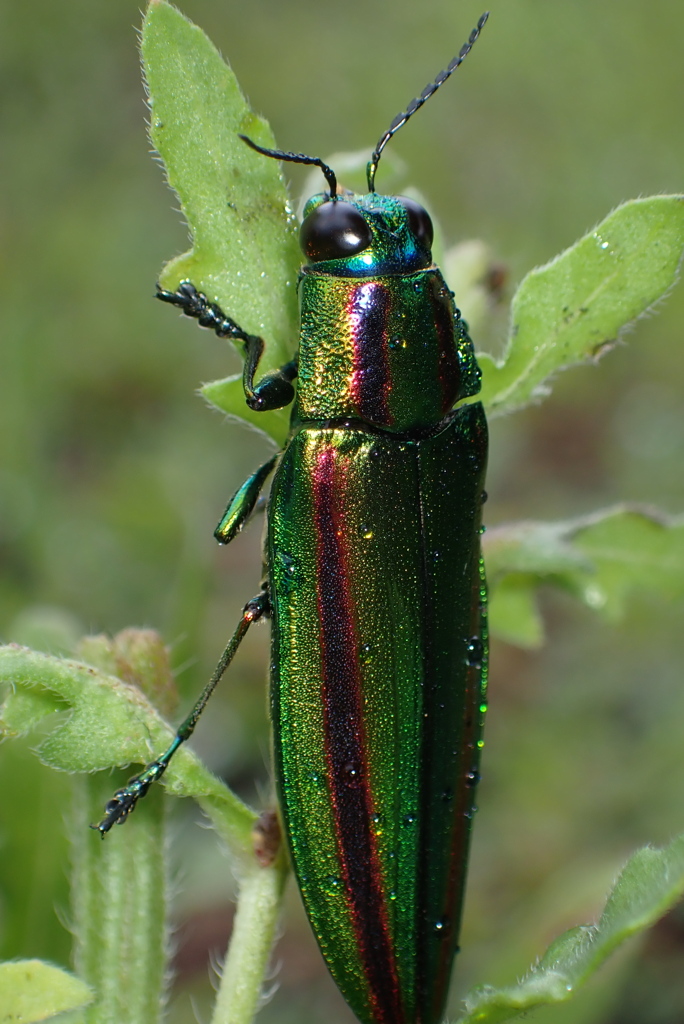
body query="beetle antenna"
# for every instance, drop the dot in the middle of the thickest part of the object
(297, 158)
(415, 104)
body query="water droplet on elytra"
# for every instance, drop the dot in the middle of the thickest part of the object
(352, 774)
(474, 651)
(366, 654)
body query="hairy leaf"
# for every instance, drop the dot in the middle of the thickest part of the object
(651, 882)
(571, 310)
(244, 254)
(108, 723)
(33, 991)
(601, 559)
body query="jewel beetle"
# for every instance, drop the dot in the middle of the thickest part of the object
(374, 585)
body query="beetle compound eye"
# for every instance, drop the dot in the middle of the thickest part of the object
(419, 221)
(334, 230)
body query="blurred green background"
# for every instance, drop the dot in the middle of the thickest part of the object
(113, 475)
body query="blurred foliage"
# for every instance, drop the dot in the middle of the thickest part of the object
(112, 475)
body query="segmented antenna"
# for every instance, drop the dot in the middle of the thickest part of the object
(297, 158)
(415, 104)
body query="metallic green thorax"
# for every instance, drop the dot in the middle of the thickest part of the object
(379, 637)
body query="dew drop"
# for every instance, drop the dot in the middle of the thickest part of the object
(409, 819)
(595, 596)
(472, 777)
(474, 652)
(365, 531)
(352, 774)
(288, 562)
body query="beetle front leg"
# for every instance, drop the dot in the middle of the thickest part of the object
(274, 390)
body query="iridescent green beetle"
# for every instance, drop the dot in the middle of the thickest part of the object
(374, 583)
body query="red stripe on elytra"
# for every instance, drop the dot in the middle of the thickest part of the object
(345, 742)
(367, 313)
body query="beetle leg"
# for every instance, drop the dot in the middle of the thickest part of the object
(241, 505)
(125, 799)
(274, 390)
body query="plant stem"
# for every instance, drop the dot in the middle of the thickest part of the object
(119, 906)
(256, 917)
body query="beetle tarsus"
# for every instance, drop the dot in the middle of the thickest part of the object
(197, 306)
(125, 799)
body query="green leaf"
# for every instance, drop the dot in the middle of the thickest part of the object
(631, 550)
(651, 882)
(245, 254)
(512, 612)
(228, 395)
(602, 559)
(110, 723)
(573, 309)
(32, 991)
